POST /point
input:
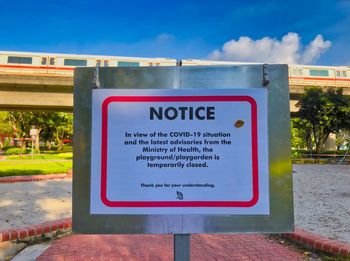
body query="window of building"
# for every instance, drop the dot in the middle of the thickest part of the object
(75, 62)
(128, 64)
(319, 73)
(43, 60)
(20, 60)
(105, 63)
(98, 63)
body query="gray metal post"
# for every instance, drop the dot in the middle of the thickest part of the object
(181, 247)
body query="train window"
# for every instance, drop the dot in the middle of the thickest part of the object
(128, 64)
(319, 73)
(43, 60)
(105, 63)
(52, 61)
(75, 62)
(341, 74)
(98, 63)
(21, 60)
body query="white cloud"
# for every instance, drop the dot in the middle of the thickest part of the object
(287, 50)
(164, 38)
(315, 49)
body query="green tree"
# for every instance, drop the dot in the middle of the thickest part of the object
(59, 126)
(5, 129)
(325, 113)
(300, 131)
(22, 122)
(51, 126)
(5, 126)
(19, 123)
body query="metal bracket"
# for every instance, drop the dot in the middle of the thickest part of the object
(96, 83)
(266, 80)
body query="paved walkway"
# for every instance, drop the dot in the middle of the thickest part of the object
(160, 247)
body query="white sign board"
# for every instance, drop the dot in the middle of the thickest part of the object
(33, 132)
(168, 151)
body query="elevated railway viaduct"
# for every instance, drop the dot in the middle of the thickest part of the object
(44, 81)
(49, 92)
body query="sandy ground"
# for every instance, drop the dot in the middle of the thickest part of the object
(321, 201)
(26, 203)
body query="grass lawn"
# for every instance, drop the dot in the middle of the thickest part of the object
(38, 165)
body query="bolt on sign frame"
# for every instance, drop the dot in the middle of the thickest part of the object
(220, 79)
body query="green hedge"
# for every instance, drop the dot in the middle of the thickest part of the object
(15, 151)
(18, 151)
(54, 149)
(67, 148)
(337, 152)
(5, 148)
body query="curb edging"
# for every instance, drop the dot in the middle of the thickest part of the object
(14, 179)
(317, 242)
(35, 230)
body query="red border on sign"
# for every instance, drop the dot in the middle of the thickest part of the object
(104, 154)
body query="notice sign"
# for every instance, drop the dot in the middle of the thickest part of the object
(171, 151)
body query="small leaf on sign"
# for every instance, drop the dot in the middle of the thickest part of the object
(239, 123)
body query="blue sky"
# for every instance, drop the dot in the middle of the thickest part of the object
(319, 30)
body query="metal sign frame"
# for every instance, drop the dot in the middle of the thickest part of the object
(281, 218)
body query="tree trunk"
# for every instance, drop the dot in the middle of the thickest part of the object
(22, 144)
(309, 141)
(320, 143)
(48, 145)
(59, 142)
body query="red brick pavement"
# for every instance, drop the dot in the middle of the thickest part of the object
(160, 247)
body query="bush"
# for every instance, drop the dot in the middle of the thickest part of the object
(5, 148)
(18, 151)
(337, 152)
(295, 154)
(15, 151)
(67, 148)
(54, 148)
(29, 151)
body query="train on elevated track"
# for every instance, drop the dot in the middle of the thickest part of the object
(26, 63)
